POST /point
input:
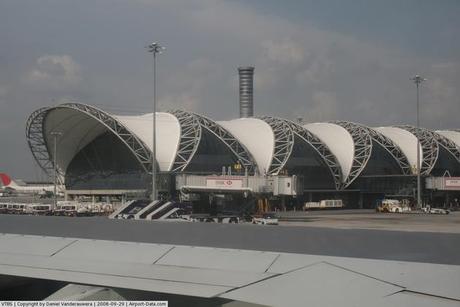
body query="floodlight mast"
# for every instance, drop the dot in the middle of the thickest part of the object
(55, 135)
(155, 49)
(418, 81)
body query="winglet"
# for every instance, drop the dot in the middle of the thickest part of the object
(6, 180)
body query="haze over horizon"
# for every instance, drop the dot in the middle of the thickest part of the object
(319, 60)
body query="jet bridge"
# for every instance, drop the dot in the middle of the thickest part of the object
(225, 184)
(443, 183)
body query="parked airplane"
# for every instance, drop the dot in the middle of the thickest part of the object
(24, 188)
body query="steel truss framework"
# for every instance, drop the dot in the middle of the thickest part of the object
(429, 144)
(321, 148)
(450, 146)
(363, 148)
(190, 136)
(242, 154)
(284, 142)
(37, 142)
(393, 149)
(40, 150)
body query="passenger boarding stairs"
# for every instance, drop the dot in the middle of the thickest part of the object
(145, 209)
(161, 211)
(169, 213)
(130, 209)
(115, 213)
(148, 209)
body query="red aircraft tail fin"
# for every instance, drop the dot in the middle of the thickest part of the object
(6, 180)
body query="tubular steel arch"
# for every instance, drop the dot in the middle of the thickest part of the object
(322, 149)
(429, 144)
(284, 142)
(242, 154)
(189, 139)
(37, 141)
(449, 145)
(363, 148)
(393, 149)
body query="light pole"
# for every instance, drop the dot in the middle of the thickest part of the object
(55, 135)
(155, 49)
(418, 81)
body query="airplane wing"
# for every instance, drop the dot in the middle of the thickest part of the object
(266, 278)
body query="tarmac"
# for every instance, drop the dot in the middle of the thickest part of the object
(417, 238)
(369, 219)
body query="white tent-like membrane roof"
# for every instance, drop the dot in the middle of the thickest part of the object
(77, 130)
(78, 125)
(257, 136)
(339, 142)
(178, 135)
(405, 140)
(167, 135)
(454, 136)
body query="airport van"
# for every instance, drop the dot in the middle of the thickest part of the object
(15, 208)
(38, 209)
(66, 209)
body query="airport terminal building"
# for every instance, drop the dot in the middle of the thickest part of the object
(106, 154)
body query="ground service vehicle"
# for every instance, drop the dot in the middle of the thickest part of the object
(324, 204)
(38, 209)
(393, 206)
(15, 208)
(266, 219)
(438, 211)
(66, 210)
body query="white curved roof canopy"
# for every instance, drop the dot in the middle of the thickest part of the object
(339, 142)
(178, 135)
(454, 136)
(257, 136)
(80, 124)
(78, 130)
(167, 135)
(406, 141)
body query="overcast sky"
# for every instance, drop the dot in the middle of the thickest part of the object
(319, 60)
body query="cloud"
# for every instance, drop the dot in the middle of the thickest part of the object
(187, 89)
(324, 106)
(54, 71)
(284, 52)
(301, 67)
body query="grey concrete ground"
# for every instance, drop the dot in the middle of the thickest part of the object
(433, 247)
(369, 219)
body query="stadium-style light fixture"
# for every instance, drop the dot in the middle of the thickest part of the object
(418, 81)
(154, 48)
(55, 135)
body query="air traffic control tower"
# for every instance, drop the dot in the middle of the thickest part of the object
(246, 75)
